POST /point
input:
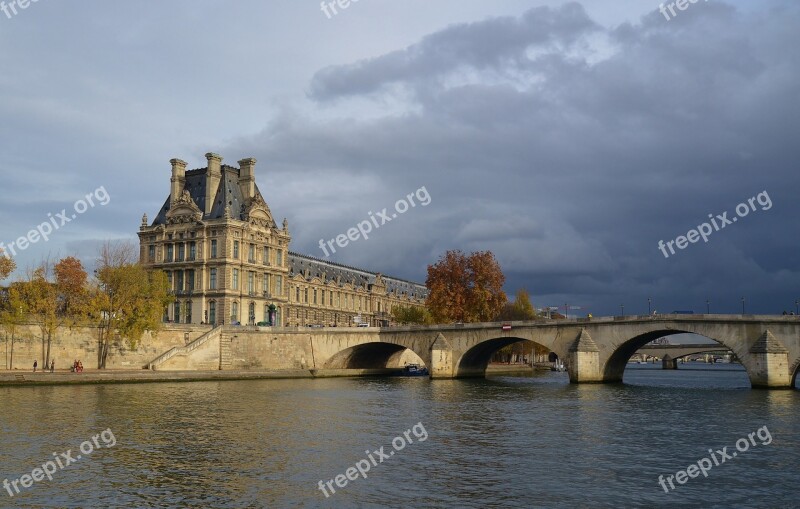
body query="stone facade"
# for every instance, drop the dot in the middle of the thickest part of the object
(228, 261)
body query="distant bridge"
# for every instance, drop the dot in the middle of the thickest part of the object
(678, 351)
(595, 350)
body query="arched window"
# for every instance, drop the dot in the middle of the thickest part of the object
(234, 312)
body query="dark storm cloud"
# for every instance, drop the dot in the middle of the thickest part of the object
(495, 44)
(569, 150)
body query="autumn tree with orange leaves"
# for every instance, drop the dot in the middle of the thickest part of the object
(7, 265)
(55, 296)
(465, 288)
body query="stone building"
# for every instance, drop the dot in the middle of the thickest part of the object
(228, 261)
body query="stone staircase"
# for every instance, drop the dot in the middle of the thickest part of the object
(188, 349)
(225, 361)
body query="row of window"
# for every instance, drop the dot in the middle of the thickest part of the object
(183, 251)
(181, 312)
(184, 280)
(330, 298)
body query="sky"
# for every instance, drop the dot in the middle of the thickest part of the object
(574, 140)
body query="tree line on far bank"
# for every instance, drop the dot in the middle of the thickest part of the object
(121, 299)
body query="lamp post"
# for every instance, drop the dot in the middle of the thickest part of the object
(566, 310)
(649, 302)
(797, 307)
(742, 305)
(622, 308)
(708, 307)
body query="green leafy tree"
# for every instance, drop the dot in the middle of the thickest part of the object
(127, 300)
(408, 314)
(520, 309)
(12, 315)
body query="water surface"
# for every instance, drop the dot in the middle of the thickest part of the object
(501, 442)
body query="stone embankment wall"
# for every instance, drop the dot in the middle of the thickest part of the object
(81, 343)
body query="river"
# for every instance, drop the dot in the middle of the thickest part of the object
(501, 442)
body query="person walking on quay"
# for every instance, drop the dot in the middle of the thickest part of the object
(52, 365)
(35, 365)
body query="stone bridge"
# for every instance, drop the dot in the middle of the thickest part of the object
(594, 350)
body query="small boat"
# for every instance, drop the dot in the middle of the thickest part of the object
(558, 366)
(414, 370)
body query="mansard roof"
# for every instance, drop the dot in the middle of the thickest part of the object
(228, 194)
(310, 267)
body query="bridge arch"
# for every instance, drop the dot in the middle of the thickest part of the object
(373, 355)
(473, 362)
(618, 361)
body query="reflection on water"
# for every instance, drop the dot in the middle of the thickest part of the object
(501, 442)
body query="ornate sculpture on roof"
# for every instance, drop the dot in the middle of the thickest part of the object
(184, 210)
(257, 213)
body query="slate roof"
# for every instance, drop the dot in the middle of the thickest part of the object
(228, 194)
(330, 271)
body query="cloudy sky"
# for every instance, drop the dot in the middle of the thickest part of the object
(567, 138)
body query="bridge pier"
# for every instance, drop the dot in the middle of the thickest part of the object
(584, 360)
(770, 364)
(441, 365)
(669, 363)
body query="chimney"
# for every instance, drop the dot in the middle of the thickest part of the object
(178, 180)
(247, 178)
(213, 176)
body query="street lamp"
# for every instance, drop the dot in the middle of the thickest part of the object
(797, 307)
(742, 305)
(566, 310)
(622, 307)
(649, 301)
(708, 307)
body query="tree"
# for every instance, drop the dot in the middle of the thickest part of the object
(465, 288)
(127, 300)
(42, 299)
(55, 297)
(12, 315)
(7, 265)
(408, 314)
(520, 309)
